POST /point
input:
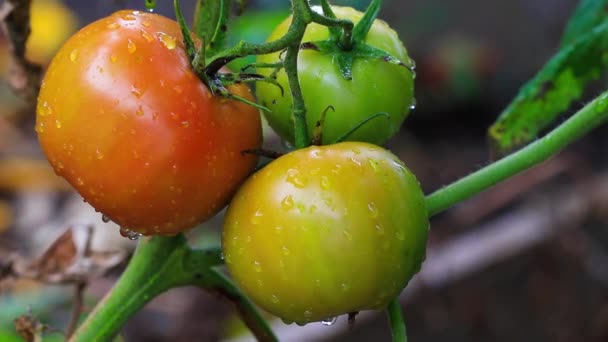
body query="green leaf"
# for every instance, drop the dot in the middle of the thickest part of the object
(211, 23)
(551, 92)
(587, 15)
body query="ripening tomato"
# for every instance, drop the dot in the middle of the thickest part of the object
(125, 120)
(376, 86)
(326, 230)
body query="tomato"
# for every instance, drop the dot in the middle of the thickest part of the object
(326, 230)
(125, 120)
(376, 86)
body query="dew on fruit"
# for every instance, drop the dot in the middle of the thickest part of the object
(178, 89)
(185, 124)
(136, 91)
(347, 234)
(129, 17)
(373, 163)
(373, 210)
(148, 37)
(400, 235)
(285, 250)
(105, 219)
(57, 123)
(113, 58)
(287, 202)
(39, 127)
(131, 47)
(129, 234)
(98, 154)
(274, 299)
(168, 41)
(325, 183)
(294, 177)
(307, 314)
(74, 55)
(146, 23)
(345, 287)
(45, 109)
(379, 229)
(329, 321)
(255, 219)
(79, 181)
(257, 266)
(112, 26)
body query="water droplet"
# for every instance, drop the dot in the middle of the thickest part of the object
(150, 5)
(274, 299)
(329, 321)
(178, 89)
(325, 183)
(373, 163)
(307, 314)
(168, 41)
(129, 17)
(79, 181)
(400, 235)
(136, 91)
(139, 111)
(98, 154)
(112, 26)
(39, 127)
(113, 58)
(287, 202)
(60, 165)
(185, 124)
(373, 211)
(57, 123)
(148, 37)
(255, 219)
(74, 55)
(294, 177)
(356, 150)
(45, 109)
(105, 219)
(154, 115)
(380, 229)
(285, 250)
(347, 234)
(413, 104)
(131, 47)
(345, 287)
(257, 266)
(355, 161)
(129, 234)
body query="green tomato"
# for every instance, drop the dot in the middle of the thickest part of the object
(325, 231)
(376, 86)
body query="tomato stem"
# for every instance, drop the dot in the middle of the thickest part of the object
(395, 318)
(159, 264)
(589, 117)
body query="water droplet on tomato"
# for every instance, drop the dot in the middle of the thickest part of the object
(45, 109)
(345, 287)
(347, 234)
(274, 299)
(325, 183)
(307, 314)
(79, 181)
(379, 229)
(178, 89)
(74, 55)
(139, 111)
(257, 266)
(105, 219)
(148, 37)
(255, 219)
(285, 250)
(146, 23)
(373, 211)
(57, 123)
(136, 91)
(131, 47)
(400, 235)
(129, 17)
(98, 154)
(294, 177)
(329, 321)
(287, 202)
(168, 41)
(113, 58)
(112, 26)
(39, 128)
(129, 234)
(185, 124)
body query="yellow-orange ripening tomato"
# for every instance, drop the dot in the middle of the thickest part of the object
(325, 231)
(125, 120)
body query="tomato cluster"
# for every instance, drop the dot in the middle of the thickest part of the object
(319, 232)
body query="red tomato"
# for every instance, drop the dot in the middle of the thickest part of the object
(125, 120)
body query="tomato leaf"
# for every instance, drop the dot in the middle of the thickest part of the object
(211, 23)
(587, 15)
(560, 82)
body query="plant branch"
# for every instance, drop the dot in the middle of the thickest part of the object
(395, 318)
(592, 115)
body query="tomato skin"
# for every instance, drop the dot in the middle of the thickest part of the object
(124, 119)
(376, 86)
(324, 231)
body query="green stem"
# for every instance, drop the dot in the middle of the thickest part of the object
(395, 318)
(159, 264)
(592, 115)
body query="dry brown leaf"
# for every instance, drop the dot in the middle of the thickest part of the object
(19, 173)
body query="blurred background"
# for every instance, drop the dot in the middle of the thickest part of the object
(525, 261)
